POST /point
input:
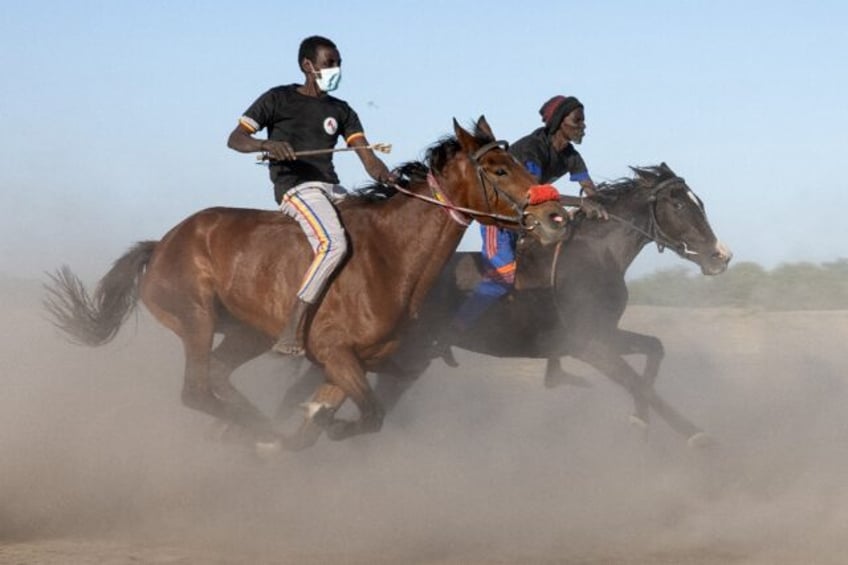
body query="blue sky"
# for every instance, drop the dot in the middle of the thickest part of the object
(115, 114)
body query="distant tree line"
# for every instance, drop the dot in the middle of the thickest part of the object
(790, 286)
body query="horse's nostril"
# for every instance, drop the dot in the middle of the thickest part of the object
(721, 256)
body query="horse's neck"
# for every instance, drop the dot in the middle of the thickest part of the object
(618, 241)
(445, 246)
(426, 238)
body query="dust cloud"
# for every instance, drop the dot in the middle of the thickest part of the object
(100, 463)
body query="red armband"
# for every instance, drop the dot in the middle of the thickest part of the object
(541, 193)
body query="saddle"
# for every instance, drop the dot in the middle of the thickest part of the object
(533, 266)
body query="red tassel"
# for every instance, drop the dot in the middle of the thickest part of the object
(541, 193)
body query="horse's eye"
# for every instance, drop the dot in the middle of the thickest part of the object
(500, 172)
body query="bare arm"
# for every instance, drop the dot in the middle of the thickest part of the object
(588, 187)
(374, 166)
(242, 140)
(591, 208)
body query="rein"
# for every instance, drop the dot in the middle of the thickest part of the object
(654, 231)
(460, 214)
(481, 174)
(441, 200)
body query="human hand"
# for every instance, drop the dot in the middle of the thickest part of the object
(389, 178)
(593, 210)
(279, 150)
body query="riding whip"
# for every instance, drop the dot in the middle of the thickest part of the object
(379, 147)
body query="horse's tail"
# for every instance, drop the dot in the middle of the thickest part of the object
(95, 320)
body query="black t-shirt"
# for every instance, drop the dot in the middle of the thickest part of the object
(306, 122)
(538, 156)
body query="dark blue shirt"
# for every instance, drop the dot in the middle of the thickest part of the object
(536, 152)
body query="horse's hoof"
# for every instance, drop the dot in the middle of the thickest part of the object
(267, 450)
(218, 431)
(553, 380)
(321, 413)
(638, 422)
(701, 440)
(338, 430)
(449, 359)
(222, 431)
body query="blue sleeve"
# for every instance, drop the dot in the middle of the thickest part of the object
(498, 245)
(533, 168)
(577, 169)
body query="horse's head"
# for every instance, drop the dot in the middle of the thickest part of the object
(679, 221)
(490, 182)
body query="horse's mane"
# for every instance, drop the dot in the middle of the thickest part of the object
(441, 152)
(408, 173)
(612, 191)
(437, 156)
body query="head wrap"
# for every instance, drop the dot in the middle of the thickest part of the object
(555, 110)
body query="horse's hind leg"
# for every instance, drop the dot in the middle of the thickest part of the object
(240, 345)
(205, 375)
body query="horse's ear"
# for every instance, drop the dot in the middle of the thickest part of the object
(484, 129)
(665, 168)
(644, 174)
(465, 139)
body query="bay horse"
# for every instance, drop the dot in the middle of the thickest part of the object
(235, 271)
(570, 298)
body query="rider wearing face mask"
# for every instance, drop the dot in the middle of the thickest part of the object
(302, 117)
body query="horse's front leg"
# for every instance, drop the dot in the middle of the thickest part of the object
(344, 370)
(641, 387)
(299, 392)
(629, 343)
(651, 347)
(604, 356)
(320, 415)
(556, 376)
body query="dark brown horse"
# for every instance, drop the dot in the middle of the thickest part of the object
(234, 272)
(573, 297)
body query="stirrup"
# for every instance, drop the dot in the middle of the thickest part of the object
(292, 341)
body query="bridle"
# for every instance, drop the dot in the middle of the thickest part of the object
(482, 175)
(654, 231)
(464, 216)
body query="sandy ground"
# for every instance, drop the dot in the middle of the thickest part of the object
(100, 463)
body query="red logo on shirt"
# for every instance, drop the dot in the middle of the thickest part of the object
(331, 126)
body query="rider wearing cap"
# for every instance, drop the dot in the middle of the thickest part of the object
(547, 153)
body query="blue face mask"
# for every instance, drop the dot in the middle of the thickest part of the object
(329, 79)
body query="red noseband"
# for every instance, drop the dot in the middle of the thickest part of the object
(541, 193)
